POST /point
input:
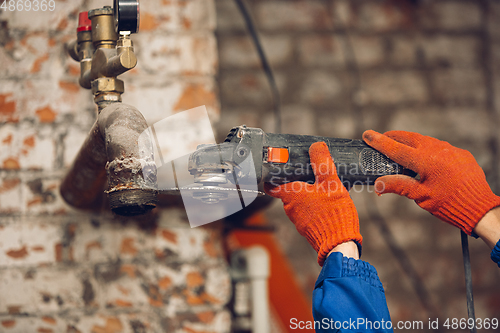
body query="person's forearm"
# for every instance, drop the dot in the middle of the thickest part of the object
(488, 227)
(347, 292)
(348, 249)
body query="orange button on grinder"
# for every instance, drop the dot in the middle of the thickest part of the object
(277, 155)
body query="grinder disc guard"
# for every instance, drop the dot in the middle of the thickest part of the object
(214, 180)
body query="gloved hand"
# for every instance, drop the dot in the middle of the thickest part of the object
(322, 212)
(452, 185)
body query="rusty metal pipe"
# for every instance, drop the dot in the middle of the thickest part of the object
(113, 148)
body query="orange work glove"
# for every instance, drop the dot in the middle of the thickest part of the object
(452, 185)
(322, 212)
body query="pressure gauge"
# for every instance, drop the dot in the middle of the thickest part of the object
(127, 16)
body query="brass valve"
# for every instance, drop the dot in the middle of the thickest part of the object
(103, 54)
(113, 62)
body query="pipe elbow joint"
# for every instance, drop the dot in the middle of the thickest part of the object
(130, 167)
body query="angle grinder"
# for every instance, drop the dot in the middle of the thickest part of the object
(249, 157)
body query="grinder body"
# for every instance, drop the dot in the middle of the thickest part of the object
(250, 155)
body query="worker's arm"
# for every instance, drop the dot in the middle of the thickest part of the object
(452, 186)
(348, 291)
(349, 297)
(488, 229)
(348, 249)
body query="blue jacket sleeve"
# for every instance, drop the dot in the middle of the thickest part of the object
(349, 297)
(495, 254)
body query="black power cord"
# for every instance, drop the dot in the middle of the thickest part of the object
(265, 64)
(468, 280)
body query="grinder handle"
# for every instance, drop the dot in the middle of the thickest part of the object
(286, 159)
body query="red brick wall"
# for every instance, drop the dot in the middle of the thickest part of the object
(424, 66)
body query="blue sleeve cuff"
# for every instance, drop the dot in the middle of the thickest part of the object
(337, 266)
(495, 254)
(349, 293)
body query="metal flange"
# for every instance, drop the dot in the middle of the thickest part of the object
(107, 84)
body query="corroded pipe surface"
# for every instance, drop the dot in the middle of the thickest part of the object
(113, 147)
(130, 168)
(83, 186)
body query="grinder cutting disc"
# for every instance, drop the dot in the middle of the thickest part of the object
(211, 194)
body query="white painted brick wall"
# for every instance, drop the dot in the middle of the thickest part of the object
(66, 270)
